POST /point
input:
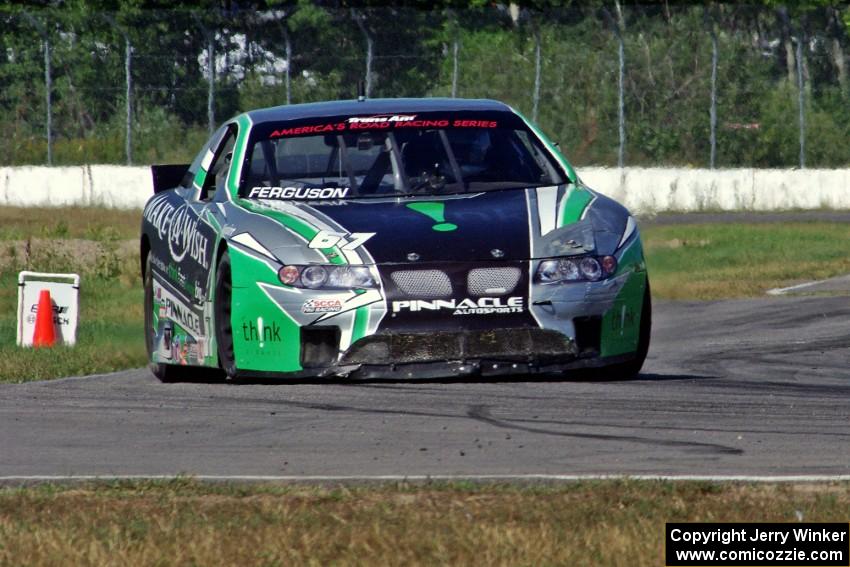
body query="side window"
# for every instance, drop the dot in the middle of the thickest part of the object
(220, 165)
(189, 176)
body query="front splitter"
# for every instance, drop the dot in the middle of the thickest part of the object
(448, 369)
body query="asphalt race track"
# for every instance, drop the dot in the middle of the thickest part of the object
(745, 387)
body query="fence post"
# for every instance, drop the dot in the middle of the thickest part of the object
(801, 98)
(621, 102)
(455, 49)
(369, 54)
(128, 55)
(712, 111)
(535, 101)
(210, 37)
(48, 82)
(288, 43)
(211, 80)
(713, 116)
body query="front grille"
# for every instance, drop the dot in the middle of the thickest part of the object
(492, 281)
(423, 283)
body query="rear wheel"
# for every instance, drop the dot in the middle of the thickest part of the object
(223, 312)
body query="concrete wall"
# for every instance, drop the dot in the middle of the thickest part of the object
(107, 185)
(646, 190)
(643, 190)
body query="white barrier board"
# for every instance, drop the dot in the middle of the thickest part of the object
(642, 190)
(64, 296)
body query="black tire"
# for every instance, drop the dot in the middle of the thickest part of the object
(630, 369)
(223, 310)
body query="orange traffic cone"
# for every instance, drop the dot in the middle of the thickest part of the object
(45, 333)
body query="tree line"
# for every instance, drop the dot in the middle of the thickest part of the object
(694, 76)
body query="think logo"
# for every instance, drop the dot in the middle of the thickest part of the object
(258, 334)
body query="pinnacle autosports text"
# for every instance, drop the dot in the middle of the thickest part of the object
(308, 193)
(176, 310)
(481, 306)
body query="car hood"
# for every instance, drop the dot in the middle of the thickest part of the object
(454, 228)
(516, 224)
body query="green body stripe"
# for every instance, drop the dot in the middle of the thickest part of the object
(251, 303)
(361, 323)
(621, 323)
(334, 255)
(212, 220)
(200, 177)
(631, 258)
(558, 155)
(244, 124)
(574, 205)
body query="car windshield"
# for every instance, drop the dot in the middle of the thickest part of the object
(378, 157)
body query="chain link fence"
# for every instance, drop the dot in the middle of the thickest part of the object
(705, 86)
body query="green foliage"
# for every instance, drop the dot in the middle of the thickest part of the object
(667, 74)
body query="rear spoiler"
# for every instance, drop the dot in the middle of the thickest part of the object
(167, 176)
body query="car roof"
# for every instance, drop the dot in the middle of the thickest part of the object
(373, 106)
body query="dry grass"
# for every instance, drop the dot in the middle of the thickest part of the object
(91, 223)
(188, 523)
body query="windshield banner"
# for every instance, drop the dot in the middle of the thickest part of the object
(384, 122)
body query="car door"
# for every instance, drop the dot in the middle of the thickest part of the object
(196, 233)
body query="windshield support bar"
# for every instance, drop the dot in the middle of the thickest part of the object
(271, 160)
(399, 177)
(455, 167)
(343, 158)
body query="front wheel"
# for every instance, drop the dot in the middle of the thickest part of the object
(223, 312)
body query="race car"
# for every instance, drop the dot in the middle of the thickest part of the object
(388, 238)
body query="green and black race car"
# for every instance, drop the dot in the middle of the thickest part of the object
(398, 238)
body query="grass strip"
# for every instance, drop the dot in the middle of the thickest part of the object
(183, 522)
(736, 260)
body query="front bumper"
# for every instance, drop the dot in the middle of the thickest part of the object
(454, 354)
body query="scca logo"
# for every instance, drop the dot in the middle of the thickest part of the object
(322, 306)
